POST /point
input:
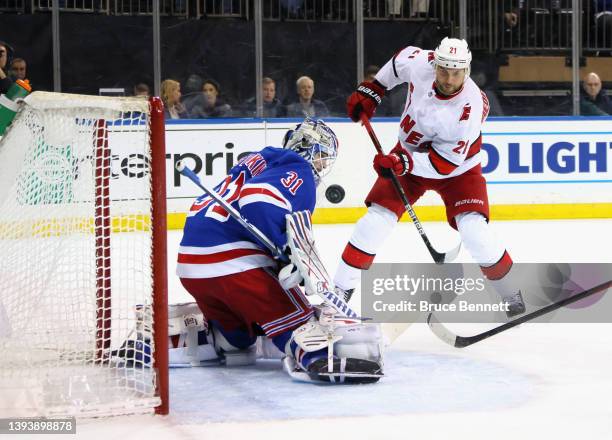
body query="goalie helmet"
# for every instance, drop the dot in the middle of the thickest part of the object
(453, 53)
(316, 142)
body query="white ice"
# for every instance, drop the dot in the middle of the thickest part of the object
(539, 380)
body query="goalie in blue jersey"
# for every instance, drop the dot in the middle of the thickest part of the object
(235, 279)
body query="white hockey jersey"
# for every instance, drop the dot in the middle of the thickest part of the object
(442, 133)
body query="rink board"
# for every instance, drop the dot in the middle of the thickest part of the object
(536, 168)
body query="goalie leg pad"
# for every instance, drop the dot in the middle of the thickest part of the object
(188, 330)
(357, 353)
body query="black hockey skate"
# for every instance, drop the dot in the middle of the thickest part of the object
(346, 370)
(516, 305)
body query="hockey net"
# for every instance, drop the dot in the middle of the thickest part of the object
(83, 260)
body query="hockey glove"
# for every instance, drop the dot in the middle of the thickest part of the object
(399, 163)
(364, 100)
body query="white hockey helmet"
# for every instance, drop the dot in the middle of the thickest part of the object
(453, 53)
(316, 142)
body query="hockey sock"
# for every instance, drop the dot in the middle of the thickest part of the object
(477, 237)
(486, 249)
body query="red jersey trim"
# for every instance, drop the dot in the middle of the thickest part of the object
(252, 190)
(218, 257)
(474, 148)
(442, 165)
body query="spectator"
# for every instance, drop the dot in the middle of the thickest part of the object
(209, 104)
(192, 92)
(594, 101)
(141, 89)
(18, 69)
(272, 106)
(171, 96)
(393, 104)
(6, 53)
(306, 106)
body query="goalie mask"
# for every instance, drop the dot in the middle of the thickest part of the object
(453, 53)
(316, 143)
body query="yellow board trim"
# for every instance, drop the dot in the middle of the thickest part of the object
(438, 213)
(57, 227)
(176, 221)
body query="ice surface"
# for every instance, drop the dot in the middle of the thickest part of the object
(535, 381)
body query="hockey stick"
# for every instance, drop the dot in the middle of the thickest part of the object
(329, 297)
(439, 258)
(306, 258)
(464, 341)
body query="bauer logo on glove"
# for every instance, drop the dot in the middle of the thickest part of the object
(365, 100)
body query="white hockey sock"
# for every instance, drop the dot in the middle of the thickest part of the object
(477, 237)
(487, 251)
(369, 234)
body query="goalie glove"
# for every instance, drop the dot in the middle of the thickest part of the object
(290, 277)
(399, 163)
(364, 100)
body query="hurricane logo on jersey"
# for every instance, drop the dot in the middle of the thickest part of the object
(465, 114)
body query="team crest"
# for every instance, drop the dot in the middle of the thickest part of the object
(465, 114)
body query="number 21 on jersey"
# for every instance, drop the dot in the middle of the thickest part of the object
(461, 147)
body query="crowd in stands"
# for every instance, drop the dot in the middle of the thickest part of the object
(205, 100)
(201, 98)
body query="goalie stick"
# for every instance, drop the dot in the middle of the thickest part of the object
(182, 168)
(439, 258)
(464, 341)
(305, 256)
(323, 291)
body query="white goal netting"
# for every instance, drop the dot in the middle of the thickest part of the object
(76, 264)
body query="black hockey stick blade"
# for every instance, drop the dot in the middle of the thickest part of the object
(457, 341)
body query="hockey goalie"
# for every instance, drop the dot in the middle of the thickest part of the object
(245, 291)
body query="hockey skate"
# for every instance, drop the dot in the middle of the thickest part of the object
(346, 294)
(346, 370)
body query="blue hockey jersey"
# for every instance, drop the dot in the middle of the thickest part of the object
(263, 187)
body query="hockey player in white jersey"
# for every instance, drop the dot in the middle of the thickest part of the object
(438, 149)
